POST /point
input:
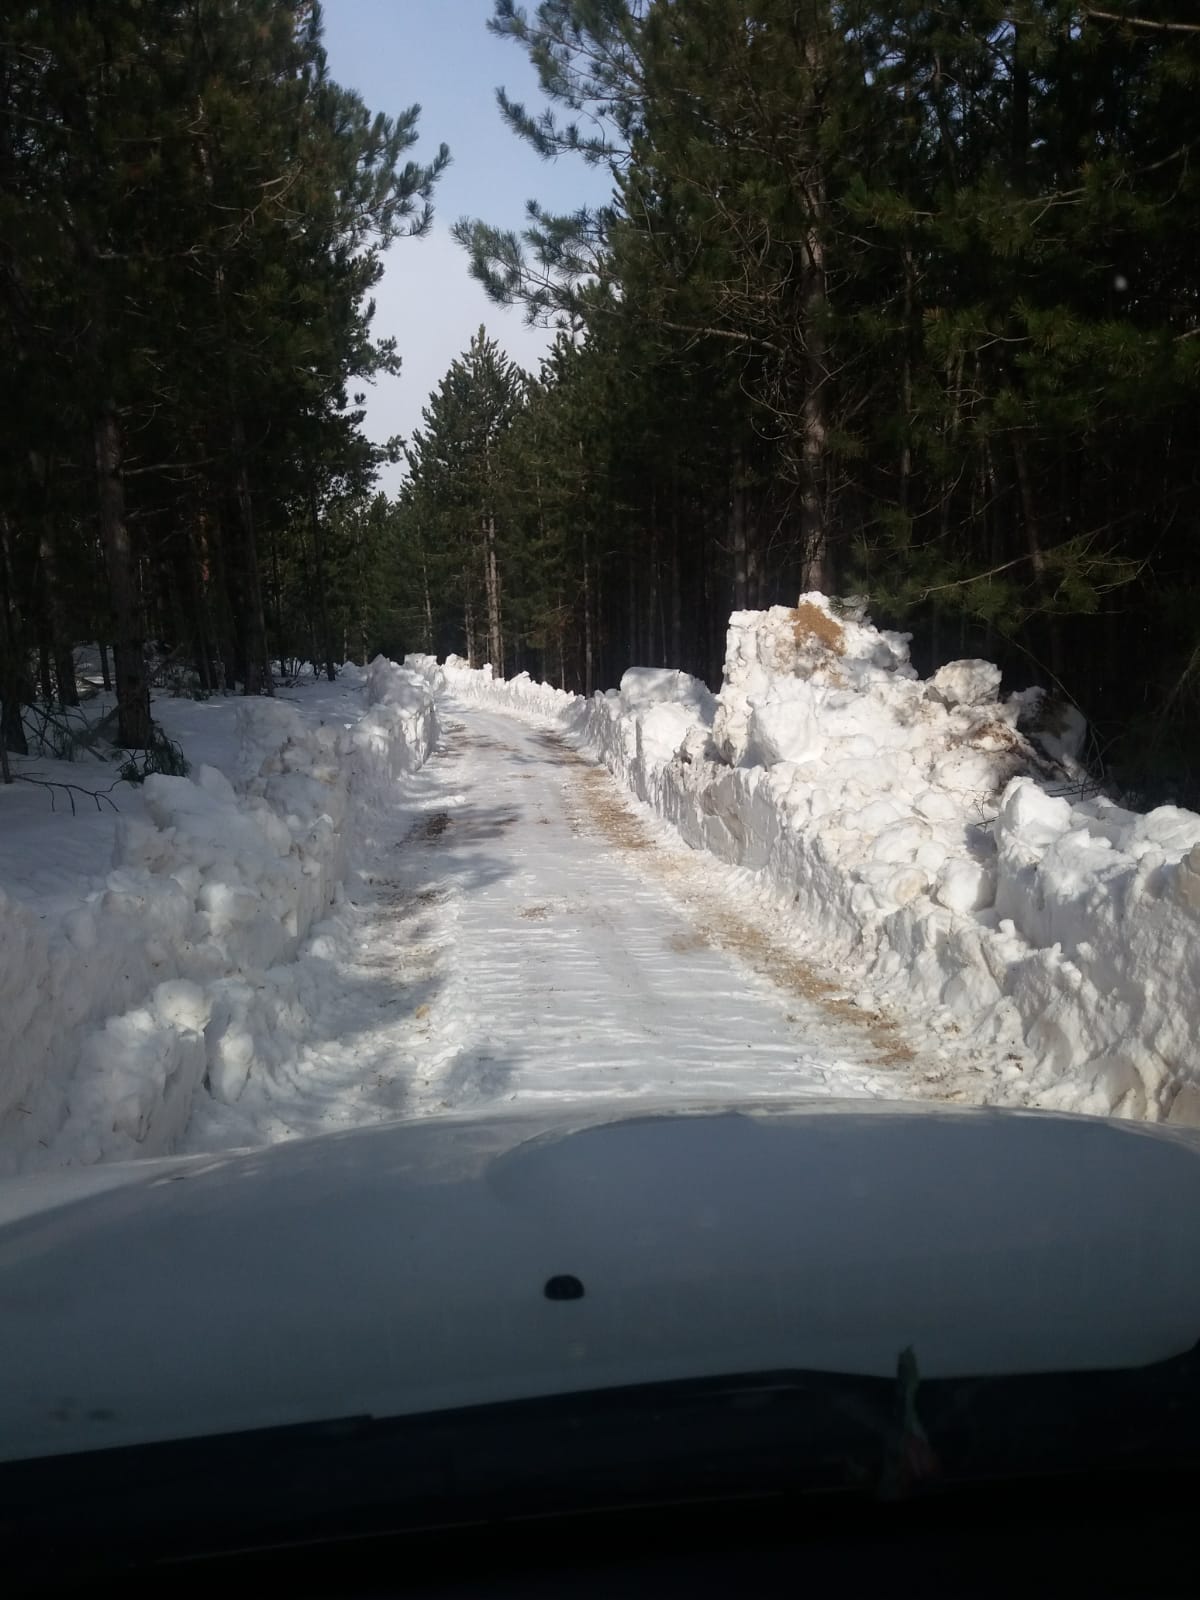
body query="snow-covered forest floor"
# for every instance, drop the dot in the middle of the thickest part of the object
(420, 892)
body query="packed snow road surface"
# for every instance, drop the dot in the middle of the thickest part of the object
(591, 960)
(519, 934)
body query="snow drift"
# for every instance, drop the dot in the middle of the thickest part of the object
(110, 1018)
(931, 836)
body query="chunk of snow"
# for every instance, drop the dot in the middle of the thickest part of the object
(643, 687)
(964, 683)
(783, 725)
(965, 886)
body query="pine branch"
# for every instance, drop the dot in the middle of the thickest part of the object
(167, 466)
(719, 333)
(1093, 12)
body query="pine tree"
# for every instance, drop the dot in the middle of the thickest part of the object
(936, 267)
(192, 217)
(455, 462)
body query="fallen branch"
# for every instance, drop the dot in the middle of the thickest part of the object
(74, 733)
(71, 790)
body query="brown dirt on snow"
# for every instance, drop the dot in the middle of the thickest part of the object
(594, 805)
(810, 622)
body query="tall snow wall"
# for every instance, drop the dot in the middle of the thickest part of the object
(929, 840)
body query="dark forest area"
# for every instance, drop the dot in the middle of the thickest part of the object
(192, 216)
(895, 301)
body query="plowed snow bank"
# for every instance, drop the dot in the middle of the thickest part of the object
(928, 841)
(105, 1012)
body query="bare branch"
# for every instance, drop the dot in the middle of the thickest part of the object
(1093, 12)
(71, 790)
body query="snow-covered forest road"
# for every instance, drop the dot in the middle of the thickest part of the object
(421, 890)
(520, 933)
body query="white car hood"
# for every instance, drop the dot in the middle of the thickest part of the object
(402, 1270)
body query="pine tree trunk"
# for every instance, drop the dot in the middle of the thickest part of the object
(633, 635)
(990, 498)
(190, 589)
(258, 678)
(234, 651)
(428, 606)
(60, 643)
(308, 643)
(134, 726)
(251, 636)
(12, 730)
(753, 570)
(737, 534)
(702, 621)
(497, 590)
(362, 603)
(588, 676)
(906, 383)
(319, 571)
(718, 618)
(675, 658)
(1037, 558)
(491, 579)
(223, 608)
(146, 622)
(203, 645)
(277, 601)
(45, 676)
(487, 590)
(656, 658)
(814, 528)
(105, 674)
(12, 733)
(206, 650)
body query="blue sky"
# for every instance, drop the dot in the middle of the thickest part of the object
(439, 54)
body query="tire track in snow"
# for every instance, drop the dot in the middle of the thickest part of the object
(589, 959)
(515, 932)
(716, 920)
